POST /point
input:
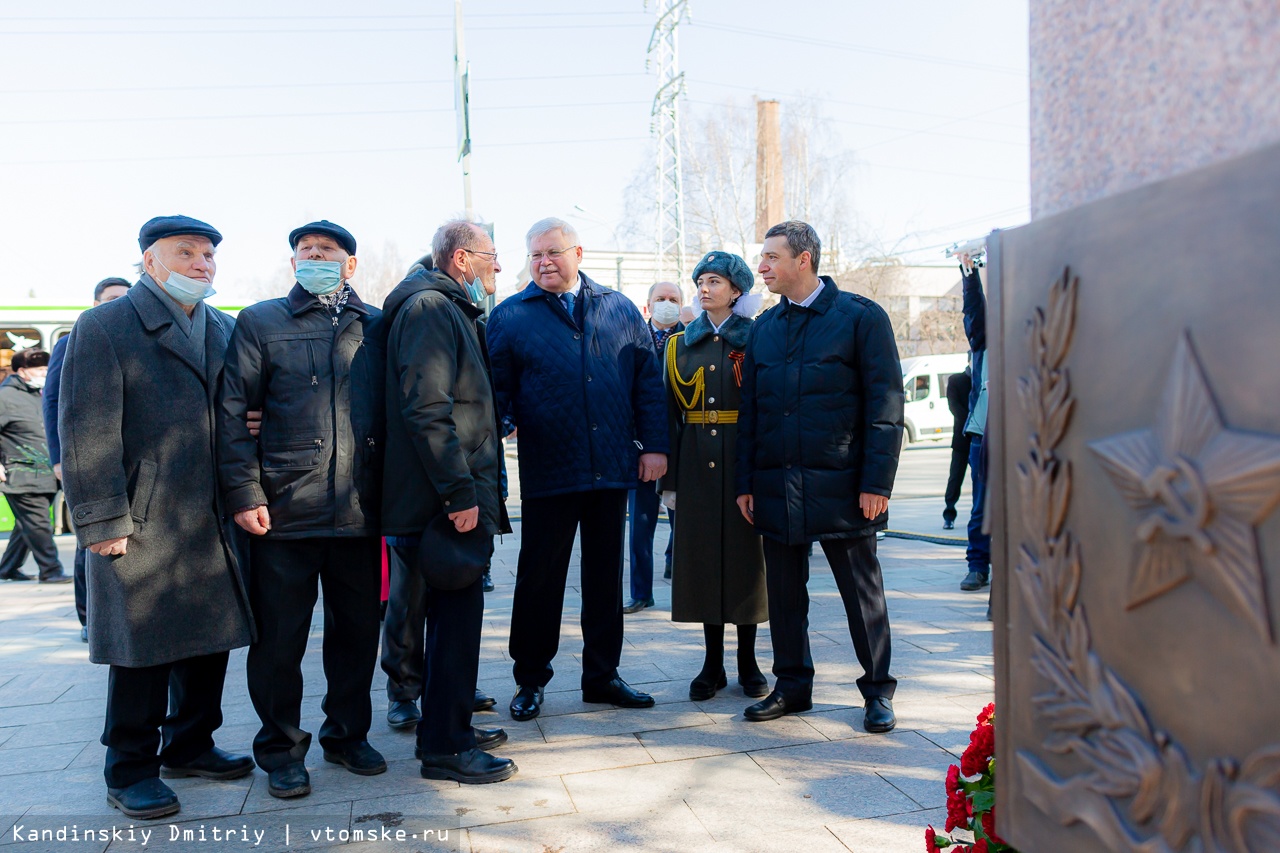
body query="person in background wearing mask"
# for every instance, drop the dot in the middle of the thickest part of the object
(313, 363)
(26, 476)
(136, 423)
(443, 446)
(644, 504)
(107, 290)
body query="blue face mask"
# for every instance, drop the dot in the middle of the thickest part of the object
(185, 291)
(319, 278)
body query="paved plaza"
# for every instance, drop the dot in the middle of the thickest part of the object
(682, 776)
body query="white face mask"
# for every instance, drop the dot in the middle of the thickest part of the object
(665, 313)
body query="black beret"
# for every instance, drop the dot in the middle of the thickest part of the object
(730, 266)
(171, 226)
(324, 226)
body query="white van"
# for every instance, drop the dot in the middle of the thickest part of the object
(924, 381)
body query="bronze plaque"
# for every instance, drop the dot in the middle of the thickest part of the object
(1135, 461)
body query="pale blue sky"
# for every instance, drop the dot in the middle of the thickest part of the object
(260, 116)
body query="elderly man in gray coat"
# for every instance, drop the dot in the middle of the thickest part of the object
(136, 422)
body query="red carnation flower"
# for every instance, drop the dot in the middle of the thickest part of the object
(989, 825)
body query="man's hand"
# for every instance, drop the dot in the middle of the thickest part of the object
(872, 505)
(254, 421)
(111, 547)
(465, 520)
(257, 520)
(747, 506)
(57, 470)
(652, 466)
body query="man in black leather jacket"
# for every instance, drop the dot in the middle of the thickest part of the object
(309, 491)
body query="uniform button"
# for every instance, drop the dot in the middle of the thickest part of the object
(713, 367)
(713, 432)
(711, 464)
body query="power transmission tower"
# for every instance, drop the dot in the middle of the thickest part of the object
(664, 57)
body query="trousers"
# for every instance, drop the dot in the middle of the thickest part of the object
(857, 572)
(282, 591)
(546, 543)
(644, 506)
(174, 706)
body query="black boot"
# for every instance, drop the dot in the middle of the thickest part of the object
(752, 680)
(712, 677)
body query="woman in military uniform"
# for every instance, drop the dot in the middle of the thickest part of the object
(718, 565)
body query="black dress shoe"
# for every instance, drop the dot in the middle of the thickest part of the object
(486, 583)
(214, 764)
(16, 575)
(878, 716)
(616, 692)
(705, 686)
(774, 706)
(360, 758)
(526, 704)
(948, 524)
(635, 605)
(84, 633)
(58, 578)
(754, 685)
(145, 800)
(292, 780)
(483, 701)
(473, 767)
(486, 739)
(403, 714)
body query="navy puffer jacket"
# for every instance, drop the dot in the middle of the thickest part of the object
(821, 416)
(587, 400)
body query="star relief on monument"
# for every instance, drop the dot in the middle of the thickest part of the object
(1200, 489)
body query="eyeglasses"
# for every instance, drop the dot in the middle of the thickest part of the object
(551, 254)
(493, 256)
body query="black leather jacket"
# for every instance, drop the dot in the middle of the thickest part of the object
(317, 465)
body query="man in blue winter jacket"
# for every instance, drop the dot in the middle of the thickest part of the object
(575, 371)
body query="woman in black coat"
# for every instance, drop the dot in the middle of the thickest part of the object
(717, 572)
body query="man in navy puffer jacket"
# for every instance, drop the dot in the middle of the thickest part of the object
(575, 371)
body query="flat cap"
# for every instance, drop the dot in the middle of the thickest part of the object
(728, 265)
(329, 229)
(171, 226)
(30, 358)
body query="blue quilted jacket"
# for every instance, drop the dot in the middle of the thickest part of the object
(586, 400)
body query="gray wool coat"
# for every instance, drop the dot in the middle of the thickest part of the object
(136, 422)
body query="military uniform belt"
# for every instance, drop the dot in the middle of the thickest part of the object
(712, 416)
